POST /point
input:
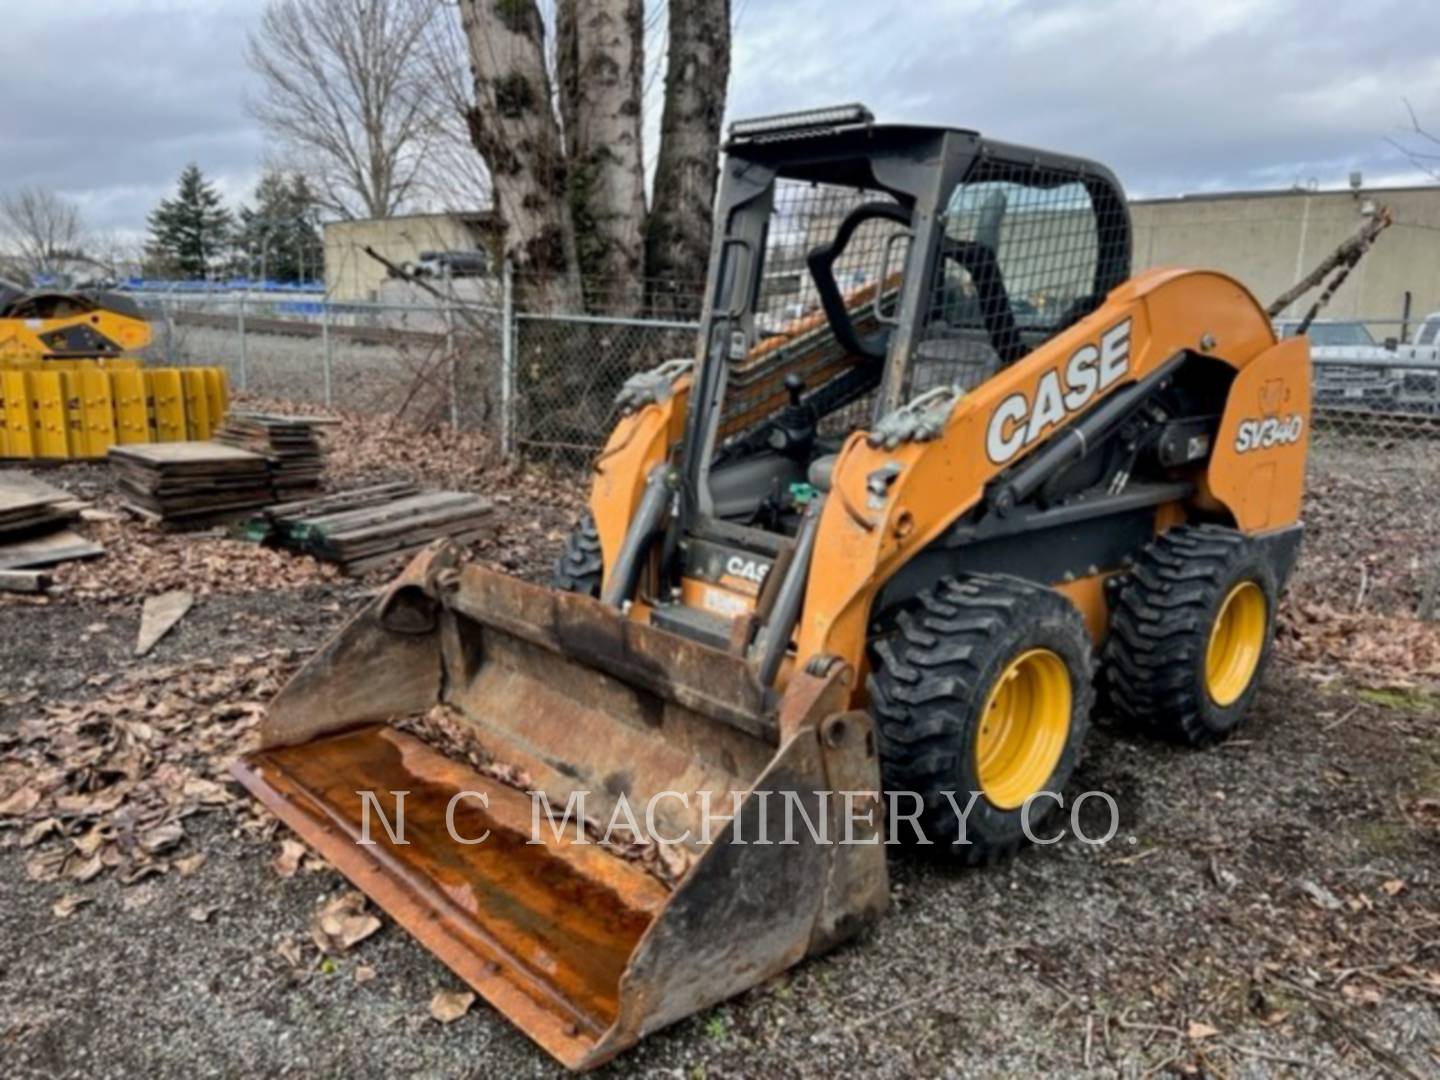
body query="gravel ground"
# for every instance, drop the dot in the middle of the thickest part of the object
(1268, 908)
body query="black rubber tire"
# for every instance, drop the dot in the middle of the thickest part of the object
(1153, 663)
(930, 679)
(581, 565)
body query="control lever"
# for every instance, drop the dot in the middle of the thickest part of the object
(792, 432)
(794, 386)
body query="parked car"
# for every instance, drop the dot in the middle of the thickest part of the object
(1355, 374)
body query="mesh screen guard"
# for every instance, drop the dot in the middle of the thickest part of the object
(1025, 252)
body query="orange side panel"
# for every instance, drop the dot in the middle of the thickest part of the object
(1088, 594)
(1258, 468)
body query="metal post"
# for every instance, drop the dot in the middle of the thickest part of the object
(451, 363)
(244, 359)
(507, 361)
(325, 348)
(167, 305)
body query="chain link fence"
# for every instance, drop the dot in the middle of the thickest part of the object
(542, 381)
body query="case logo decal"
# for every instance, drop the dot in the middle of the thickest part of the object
(1018, 422)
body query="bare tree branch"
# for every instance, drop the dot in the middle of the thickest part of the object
(347, 91)
(42, 227)
(1418, 158)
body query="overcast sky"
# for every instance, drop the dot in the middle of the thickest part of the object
(106, 100)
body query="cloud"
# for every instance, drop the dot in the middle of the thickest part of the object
(1177, 96)
(106, 100)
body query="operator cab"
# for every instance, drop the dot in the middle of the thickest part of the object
(924, 258)
(857, 267)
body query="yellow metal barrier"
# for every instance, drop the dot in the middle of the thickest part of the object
(80, 408)
(132, 415)
(52, 427)
(197, 404)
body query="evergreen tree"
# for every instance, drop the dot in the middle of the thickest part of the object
(278, 239)
(189, 233)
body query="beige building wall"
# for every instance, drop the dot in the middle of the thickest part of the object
(1268, 240)
(352, 275)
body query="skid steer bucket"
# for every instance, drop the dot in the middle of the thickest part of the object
(583, 947)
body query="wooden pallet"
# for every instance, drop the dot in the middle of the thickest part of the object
(191, 481)
(288, 443)
(29, 505)
(367, 528)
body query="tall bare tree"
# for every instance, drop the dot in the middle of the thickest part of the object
(677, 233)
(600, 64)
(565, 154)
(42, 228)
(346, 90)
(514, 127)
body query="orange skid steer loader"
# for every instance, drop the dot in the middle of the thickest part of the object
(939, 467)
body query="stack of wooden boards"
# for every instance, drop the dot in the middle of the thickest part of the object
(288, 443)
(35, 520)
(187, 482)
(367, 528)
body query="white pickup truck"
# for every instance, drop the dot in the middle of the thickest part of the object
(1356, 374)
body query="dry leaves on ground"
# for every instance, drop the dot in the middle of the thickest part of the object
(1375, 649)
(141, 560)
(109, 783)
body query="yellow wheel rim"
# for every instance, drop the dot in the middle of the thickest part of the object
(1023, 728)
(1236, 641)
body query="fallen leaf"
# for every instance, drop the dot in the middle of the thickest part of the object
(287, 863)
(190, 863)
(207, 792)
(163, 838)
(447, 1006)
(1198, 1031)
(45, 866)
(68, 904)
(343, 923)
(87, 869)
(1393, 887)
(39, 831)
(20, 803)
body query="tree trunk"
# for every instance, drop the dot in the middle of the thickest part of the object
(515, 130)
(600, 67)
(677, 235)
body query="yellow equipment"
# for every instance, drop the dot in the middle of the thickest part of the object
(69, 387)
(940, 465)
